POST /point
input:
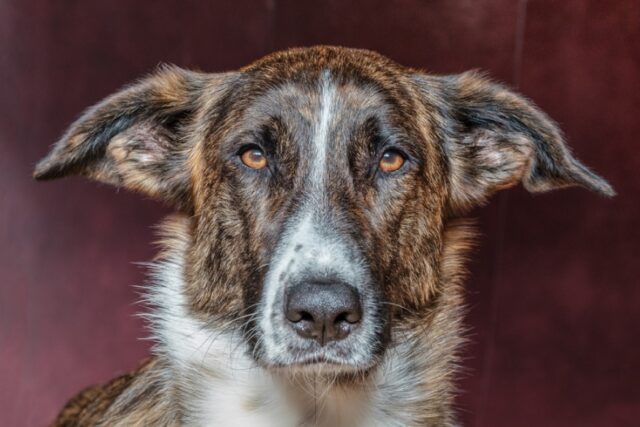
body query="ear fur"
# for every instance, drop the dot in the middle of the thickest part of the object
(495, 138)
(136, 138)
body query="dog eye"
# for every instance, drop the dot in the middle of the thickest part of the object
(254, 158)
(391, 161)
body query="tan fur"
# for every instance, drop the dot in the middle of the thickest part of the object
(177, 135)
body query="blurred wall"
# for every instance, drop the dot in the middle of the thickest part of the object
(554, 289)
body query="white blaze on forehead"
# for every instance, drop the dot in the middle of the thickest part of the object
(322, 130)
(303, 233)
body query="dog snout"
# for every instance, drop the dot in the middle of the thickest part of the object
(323, 312)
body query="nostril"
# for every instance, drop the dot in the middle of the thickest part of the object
(351, 317)
(323, 311)
(304, 316)
(296, 316)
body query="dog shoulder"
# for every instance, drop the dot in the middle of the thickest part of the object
(131, 396)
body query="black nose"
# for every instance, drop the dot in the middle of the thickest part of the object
(323, 311)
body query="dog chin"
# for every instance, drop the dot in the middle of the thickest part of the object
(320, 364)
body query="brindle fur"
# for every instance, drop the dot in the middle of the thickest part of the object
(175, 136)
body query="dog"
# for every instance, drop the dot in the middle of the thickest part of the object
(312, 273)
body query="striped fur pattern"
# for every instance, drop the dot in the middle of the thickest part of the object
(321, 209)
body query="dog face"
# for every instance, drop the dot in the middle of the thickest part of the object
(321, 182)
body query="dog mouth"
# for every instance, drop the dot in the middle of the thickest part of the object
(335, 359)
(321, 364)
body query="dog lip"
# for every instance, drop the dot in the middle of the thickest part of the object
(322, 362)
(317, 360)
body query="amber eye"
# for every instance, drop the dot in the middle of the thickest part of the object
(391, 161)
(254, 158)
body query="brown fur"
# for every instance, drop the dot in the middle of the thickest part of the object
(176, 135)
(92, 404)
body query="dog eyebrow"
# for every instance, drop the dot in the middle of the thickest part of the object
(267, 134)
(378, 135)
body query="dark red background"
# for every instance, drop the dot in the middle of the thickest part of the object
(554, 289)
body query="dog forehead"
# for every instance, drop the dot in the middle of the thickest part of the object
(306, 102)
(297, 78)
(294, 62)
(290, 86)
(329, 100)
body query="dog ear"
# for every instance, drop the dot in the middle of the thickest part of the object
(136, 138)
(495, 138)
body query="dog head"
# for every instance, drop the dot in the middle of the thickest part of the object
(320, 182)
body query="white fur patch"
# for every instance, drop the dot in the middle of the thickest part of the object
(222, 384)
(219, 384)
(322, 132)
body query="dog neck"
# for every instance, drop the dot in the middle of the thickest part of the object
(215, 381)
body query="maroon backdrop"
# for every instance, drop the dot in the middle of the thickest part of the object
(554, 290)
